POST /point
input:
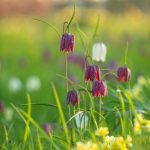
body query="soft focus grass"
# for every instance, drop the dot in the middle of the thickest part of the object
(24, 39)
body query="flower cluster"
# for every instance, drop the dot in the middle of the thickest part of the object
(99, 87)
(141, 124)
(86, 146)
(92, 71)
(107, 142)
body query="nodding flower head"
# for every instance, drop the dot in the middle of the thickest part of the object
(72, 97)
(123, 74)
(99, 88)
(92, 72)
(67, 42)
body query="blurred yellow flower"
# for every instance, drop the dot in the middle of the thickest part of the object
(107, 142)
(117, 143)
(141, 123)
(129, 141)
(106, 146)
(86, 146)
(137, 127)
(140, 118)
(102, 131)
(109, 139)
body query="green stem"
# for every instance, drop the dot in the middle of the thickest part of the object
(126, 51)
(84, 111)
(66, 70)
(100, 108)
(112, 73)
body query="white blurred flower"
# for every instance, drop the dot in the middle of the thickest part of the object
(33, 83)
(8, 114)
(14, 84)
(81, 120)
(99, 51)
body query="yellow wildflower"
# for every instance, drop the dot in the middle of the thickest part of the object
(137, 127)
(129, 141)
(102, 131)
(109, 139)
(106, 146)
(148, 127)
(140, 118)
(80, 146)
(86, 146)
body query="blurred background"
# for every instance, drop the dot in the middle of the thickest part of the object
(30, 58)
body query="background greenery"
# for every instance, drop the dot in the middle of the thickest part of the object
(24, 42)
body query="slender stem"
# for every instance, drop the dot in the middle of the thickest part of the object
(84, 111)
(64, 30)
(85, 106)
(112, 73)
(100, 108)
(126, 51)
(66, 74)
(66, 69)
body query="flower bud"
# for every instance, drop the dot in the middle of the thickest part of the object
(99, 88)
(124, 74)
(92, 72)
(72, 97)
(67, 42)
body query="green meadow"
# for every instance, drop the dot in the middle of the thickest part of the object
(30, 53)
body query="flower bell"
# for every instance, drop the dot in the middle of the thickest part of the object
(72, 97)
(92, 72)
(99, 88)
(123, 74)
(99, 51)
(67, 42)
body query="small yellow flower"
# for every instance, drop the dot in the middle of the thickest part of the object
(119, 144)
(137, 127)
(102, 131)
(106, 146)
(86, 146)
(80, 146)
(129, 141)
(91, 146)
(148, 127)
(109, 139)
(140, 118)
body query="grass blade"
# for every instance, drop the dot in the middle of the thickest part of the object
(51, 26)
(27, 128)
(61, 115)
